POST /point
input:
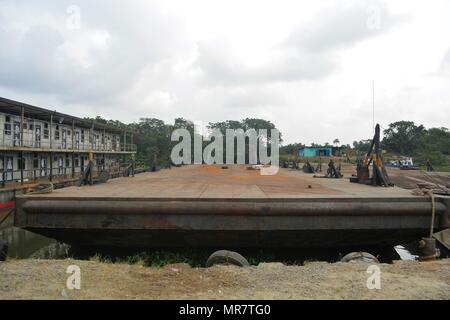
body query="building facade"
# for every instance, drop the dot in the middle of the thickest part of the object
(315, 152)
(39, 144)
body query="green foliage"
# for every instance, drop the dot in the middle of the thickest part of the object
(435, 157)
(153, 139)
(436, 139)
(362, 146)
(407, 139)
(197, 257)
(157, 258)
(402, 137)
(246, 124)
(291, 149)
(153, 136)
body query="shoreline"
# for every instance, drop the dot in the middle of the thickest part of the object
(46, 279)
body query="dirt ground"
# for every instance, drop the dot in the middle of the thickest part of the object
(46, 279)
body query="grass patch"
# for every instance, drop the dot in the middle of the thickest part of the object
(155, 258)
(198, 257)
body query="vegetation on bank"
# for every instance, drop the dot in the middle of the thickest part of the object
(198, 257)
(401, 138)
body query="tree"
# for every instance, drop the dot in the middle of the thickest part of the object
(362, 146)
(245, 124)
(402, 137)
(291, 149)
(436, 139)
(153, 139)
(336, 142)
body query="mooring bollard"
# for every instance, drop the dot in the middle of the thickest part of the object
(429, 251)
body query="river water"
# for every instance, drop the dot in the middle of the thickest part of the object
(24, 244)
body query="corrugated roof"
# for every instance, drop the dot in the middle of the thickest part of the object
(15, 107)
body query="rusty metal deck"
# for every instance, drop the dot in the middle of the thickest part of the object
(197, 182)
(235, 207)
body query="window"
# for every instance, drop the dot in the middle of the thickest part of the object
(36, 163)
(46, 132)
(57, 133)
(67, 162)
(21, 164)
(25, 126)
(7, 119)
(31, 126)
(7, 128)
(82, 136)
(69, 133)
(77, 162)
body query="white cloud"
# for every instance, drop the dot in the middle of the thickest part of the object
(306, 66)
(445, 64)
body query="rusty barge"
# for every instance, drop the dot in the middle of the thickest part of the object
(209, 206)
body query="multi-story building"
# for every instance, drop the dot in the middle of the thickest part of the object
(39, 144)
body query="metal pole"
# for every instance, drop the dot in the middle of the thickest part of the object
(131, 143)
(124, 140)
(92, 136)
(73, 134)
(51, 146)
(4, 172)
(21, 126)
(73, 149)
(21, 167)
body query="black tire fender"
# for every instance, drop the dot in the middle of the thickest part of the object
(360, 256)
(228, 258)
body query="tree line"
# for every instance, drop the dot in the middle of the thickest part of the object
(401, 138)
(405, 138)
(153, 136)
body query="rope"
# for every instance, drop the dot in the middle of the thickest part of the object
(428, 175)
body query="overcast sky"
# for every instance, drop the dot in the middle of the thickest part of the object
(307, 66)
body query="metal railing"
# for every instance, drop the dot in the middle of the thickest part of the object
(14, 140)
(55, 174)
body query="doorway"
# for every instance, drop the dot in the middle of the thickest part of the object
(16, 134)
